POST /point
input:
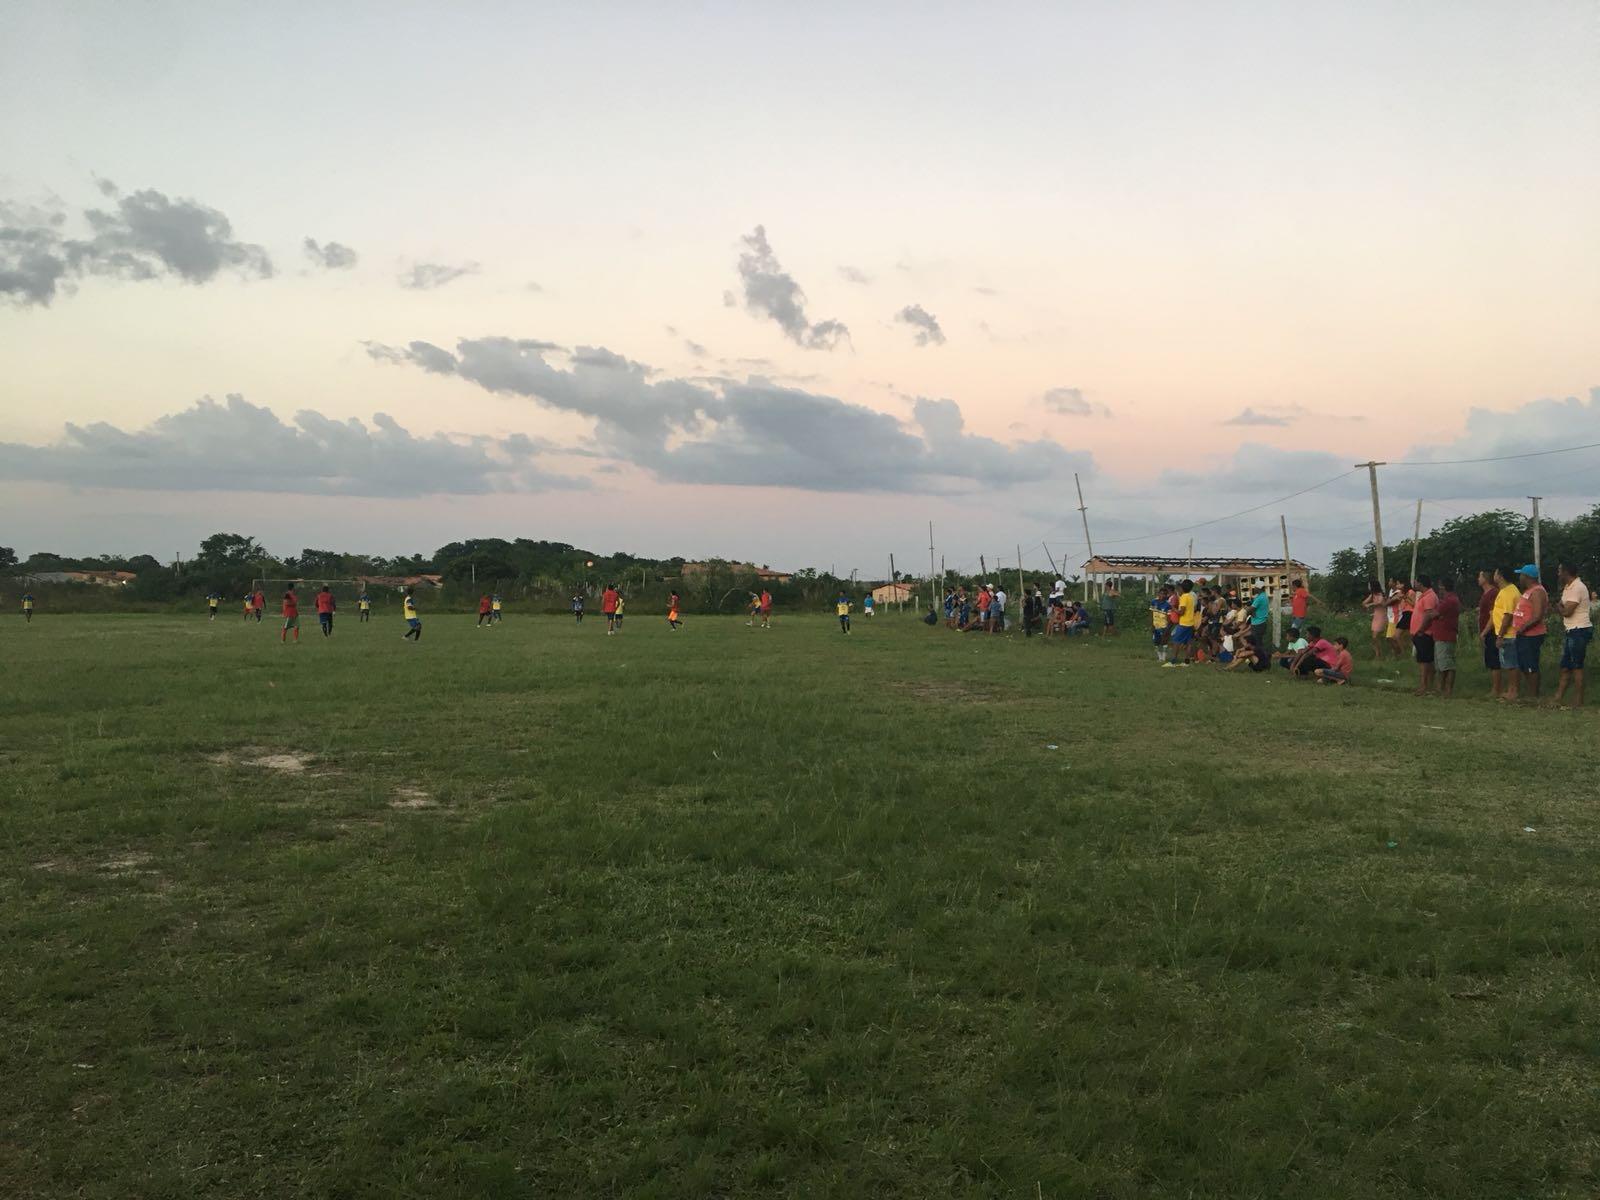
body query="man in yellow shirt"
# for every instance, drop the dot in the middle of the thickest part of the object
(1188, 621)
(1505, 606)
(413, 621)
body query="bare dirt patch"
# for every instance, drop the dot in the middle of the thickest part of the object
(411, 797)
(292, 762)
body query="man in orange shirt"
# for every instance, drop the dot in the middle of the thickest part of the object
(766, 609)
(1299, 607)
(291, 615)
(608, 607)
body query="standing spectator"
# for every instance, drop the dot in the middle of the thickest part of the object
(1528, 628)
(1380, 616)
(1444, 628)
(1159, 607)
(997, 606)
(1506, 597)
(1300, 599)
(985, 600)
(1421, 639)
(1108, 610)
(1260, 614)
(1487, 591)
(1578, 631)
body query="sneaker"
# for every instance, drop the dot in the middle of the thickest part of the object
(1168, 666)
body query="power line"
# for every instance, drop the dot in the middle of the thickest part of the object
(1460, 462)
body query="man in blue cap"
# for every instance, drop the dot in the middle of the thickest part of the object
(1528, 628)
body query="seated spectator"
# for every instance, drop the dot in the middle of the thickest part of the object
(1343, 666)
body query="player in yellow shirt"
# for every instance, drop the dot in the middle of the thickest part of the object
(494, 610)
(842, 607)
(364, 606)
(27, 607)
(413, 621)
(1505, 607)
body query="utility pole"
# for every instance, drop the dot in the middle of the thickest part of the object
(935, 588)
(1188, 562)
(983, 569)
(1536, 560)
(1416, 540)
(1083, 511)
(1377, 520)
(894, 582)
(1022, 593)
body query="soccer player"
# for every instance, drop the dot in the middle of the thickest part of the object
(249, 606)
(608, 607)
(291, 615)
(213, 598)
(868, 605)
(495, 605)
(766, 609)
(753, 608)
(485, 611)
(413, 621)
(842, 607)
(618, 614)
(325, 606)
(672, 612)
(364, 607)
(577, 608)
(259, 604)
(1159, 609)
(27, 607)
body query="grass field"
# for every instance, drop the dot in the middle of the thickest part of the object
(531, 911)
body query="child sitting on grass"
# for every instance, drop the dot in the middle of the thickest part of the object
(1296, 644)
(1343, 665)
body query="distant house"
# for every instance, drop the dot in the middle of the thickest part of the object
(764, 573)
(893, 593)
(98, 578)
(401, 581)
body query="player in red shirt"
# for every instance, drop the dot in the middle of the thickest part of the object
(766, 609)
(325, 608)
(485, 610)
(260, 604)
(291, 615)
(608, 607)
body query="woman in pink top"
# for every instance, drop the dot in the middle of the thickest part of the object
(1380, 616)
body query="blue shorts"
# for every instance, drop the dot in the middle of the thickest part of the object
(1182, 635)
(1528, 649)
(1225, 656)
(1336, 676)
(1155, 637)
(1508, 654)
(1110, 615)
(1575, 647)
(414, 622)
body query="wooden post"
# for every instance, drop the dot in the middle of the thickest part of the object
(1022, 591)
(1083, 511)
(895, 583)
(1377, 522)
(1416, 539)
(935, 587)
(1188, 559)
(1536, 559)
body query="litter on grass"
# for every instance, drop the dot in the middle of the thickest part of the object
(1529, 829)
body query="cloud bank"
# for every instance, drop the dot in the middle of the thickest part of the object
(146, 236)
(238, 446)
(754, 433)
(923, 322)
(425, 277)
(330, 256)
(1071, 402)
(770, 291)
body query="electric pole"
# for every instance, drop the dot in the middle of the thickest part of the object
(936, 589)
(1083, 512)
(1377, 519)
(1536, 559)
(1416, 540)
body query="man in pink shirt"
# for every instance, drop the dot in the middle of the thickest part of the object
(1444, 628)
(1529, 629)
(1422, 644)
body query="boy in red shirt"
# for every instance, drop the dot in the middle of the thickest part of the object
(260, 604)
(766, 609)
(291, 615)
(324, 612)
(608, 607)
(485, 610)
(1445, 627)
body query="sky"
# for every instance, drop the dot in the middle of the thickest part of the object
(786, 283)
